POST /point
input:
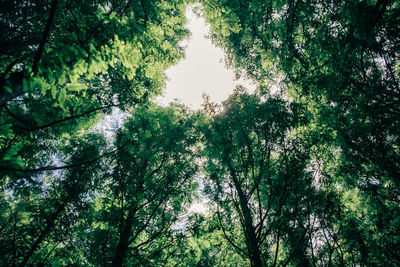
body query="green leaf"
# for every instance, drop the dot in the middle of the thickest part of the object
(76, 86)
(63, 96)
(8, 89)
(62, 79)
(25, 85)
(12, 151)
(53, 91)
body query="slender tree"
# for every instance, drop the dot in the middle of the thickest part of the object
(152, 178)
(257, 178)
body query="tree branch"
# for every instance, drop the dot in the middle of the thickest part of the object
(40, 127)
(45, 36)
(54, 168)
(226, 236)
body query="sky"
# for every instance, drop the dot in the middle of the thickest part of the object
(202, 70)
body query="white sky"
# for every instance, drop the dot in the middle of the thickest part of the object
(202, 70)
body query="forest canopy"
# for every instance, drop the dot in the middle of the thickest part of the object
(305, 175)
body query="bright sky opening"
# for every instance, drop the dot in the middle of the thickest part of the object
(202, 70)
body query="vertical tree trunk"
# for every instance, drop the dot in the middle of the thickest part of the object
(50, 223)
(252, 242)
(122, 247)
(254, 251)
(277, 246)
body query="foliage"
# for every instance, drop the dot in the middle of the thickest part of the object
(302, 172)
(258, 179)
(148, 187)
(95, 56)
(338, 62)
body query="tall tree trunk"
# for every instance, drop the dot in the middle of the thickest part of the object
(277, 246)
(123, 244)
(252, 242)
(50, 223)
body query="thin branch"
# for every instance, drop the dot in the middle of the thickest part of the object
(277, 247)
(154, 236)
(53, 168)
(147, 222)
(36, 128)
(261, 223)
(45, 36)
(8, 69)
(226, 236)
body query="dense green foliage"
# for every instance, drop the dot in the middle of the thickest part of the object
(303, 172)
(258, 179)
(338, 61)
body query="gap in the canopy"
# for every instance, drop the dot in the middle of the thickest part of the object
(201, 71)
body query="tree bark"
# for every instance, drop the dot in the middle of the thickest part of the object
(252, 242)
(44, 233)
(123, 243)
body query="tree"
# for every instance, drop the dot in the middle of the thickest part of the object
(307, 175)
(201, 243)
(338, 63)
(64, 65)
(95, 57)
(150, 182)
(48, 208)
(258, 180)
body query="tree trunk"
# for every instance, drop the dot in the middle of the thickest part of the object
(123, 244)
(254, 251)
(44, 233)
(252, 242)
